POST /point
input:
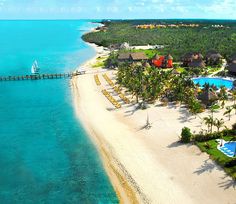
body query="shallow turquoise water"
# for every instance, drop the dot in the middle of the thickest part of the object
(45, 155)
(218, 82)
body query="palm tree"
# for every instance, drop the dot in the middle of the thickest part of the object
(219, 123)
(234, 107)
(223, 95)
(234, 95)
(234, 98)
(228, 111)
(195, 107)
(214, 108)
(209, 122)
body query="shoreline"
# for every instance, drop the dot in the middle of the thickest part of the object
(125, 193)
(148, 166)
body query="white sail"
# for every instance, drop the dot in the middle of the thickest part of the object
(35, 68)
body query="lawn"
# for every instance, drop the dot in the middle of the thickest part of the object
(180, 69)
(217, 155)
(100, 62)
(211, 70)
(150, 52)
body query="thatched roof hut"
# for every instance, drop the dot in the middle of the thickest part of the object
(193, 60)
(213, 55)
(208, 97)
(138, 56)
(132, 57)
(197, 63)
(169, 57)
(146, 64)
(156, 57)
(213, 58)
(114, 47)
(188, 56)
(124, 56)
(232, 67)
(125, 46)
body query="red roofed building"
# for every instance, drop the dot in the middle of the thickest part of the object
(163, 61)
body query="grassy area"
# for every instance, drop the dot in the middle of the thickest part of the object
(211, 70)
(150, 53)
(180, 69)
(98, 64)
(217, 155)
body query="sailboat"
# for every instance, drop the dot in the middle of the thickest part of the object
(35, 68)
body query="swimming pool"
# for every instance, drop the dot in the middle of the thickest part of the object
(218, 82)
(228, 148)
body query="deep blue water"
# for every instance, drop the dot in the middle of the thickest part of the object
(45, 154)
(218, 82)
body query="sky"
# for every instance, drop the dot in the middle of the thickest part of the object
(117, 9)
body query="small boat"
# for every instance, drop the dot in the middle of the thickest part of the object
(35, 68)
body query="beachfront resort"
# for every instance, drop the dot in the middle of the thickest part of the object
(180, 113)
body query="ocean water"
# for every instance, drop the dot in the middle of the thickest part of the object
(45, 154)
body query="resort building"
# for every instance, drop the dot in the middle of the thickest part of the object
(138, 56)
(213, 58)
(163, 61)
(193, 60)
(132, 57)
(125, 46)
(208, 97)
(124, 57)
(232, 67)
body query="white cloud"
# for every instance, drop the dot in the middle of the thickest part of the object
(220, 7)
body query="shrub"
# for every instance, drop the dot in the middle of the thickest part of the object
(186, 135)
(234, 126)
(206, 137)
(231, 163)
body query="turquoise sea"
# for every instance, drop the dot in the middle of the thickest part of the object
(45, 154)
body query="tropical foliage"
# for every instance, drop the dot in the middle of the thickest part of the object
(150, 84)
(177, 41)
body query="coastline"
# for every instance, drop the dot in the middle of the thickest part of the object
(147, 167)
(118, 179)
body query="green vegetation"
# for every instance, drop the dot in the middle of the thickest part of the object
(150, 84)
(180, 69)
(210, 147)
(177, 41)
(149, 53)
(207, 143)
(186, 135)
(98, 64)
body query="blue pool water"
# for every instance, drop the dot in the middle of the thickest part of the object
(218, 82)
(229, 149)
(45, 154)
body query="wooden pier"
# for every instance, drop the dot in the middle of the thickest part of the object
(41, 76)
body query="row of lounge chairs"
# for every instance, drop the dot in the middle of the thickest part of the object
(111, 99)
(97, 80)
(117, 90)
(109, 81)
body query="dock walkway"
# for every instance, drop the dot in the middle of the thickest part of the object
(41, 76)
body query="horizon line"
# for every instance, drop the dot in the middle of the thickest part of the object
(57, 19)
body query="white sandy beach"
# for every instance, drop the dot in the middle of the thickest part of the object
(149, 166)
